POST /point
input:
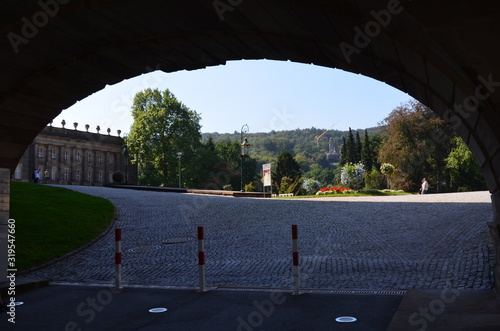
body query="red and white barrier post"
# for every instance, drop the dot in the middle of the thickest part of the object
(118, 259)
(201, 259)
(295, 268)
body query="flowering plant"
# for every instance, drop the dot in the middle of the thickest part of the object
(353, 175)
(311, 186)
(333, 190)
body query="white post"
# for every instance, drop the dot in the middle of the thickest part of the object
(4, 220)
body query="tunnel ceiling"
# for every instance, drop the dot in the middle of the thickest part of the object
(54, 53)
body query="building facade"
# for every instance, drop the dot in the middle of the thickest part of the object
(332, 155)
(72, 157)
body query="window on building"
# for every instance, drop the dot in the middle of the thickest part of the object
(66, 175)
(78, 175)
(53, 153)
(65, 155)
(100, 176)
(111, 159)
(89, 177)
(17, 173)
(53, 174)
(78, 156)
(100, 158)
(90, 157)
(40, 152)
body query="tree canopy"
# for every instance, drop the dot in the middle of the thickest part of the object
(287, 169)
(465, 174)
(411, 140)
(162, 127)
(417, 143)
(367, 153)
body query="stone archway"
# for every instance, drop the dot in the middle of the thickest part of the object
(56, 52)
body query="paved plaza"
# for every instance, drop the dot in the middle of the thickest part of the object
(380, 243)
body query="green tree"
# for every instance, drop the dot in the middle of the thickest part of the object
(305, 165)
(343, 153)
(162, 127)
(350, 148)
(287, 167)
(324, 176)
(206, 165)
(358, 149)
(227, 169)
(229, 152)
(465, 174)
(323, 162)
(375, 143)
(417, 144)
(367, 153)
(249, 170)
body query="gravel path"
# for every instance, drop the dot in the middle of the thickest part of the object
(395, 242)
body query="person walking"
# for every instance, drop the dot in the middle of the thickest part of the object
(36, 176)
(424, 189)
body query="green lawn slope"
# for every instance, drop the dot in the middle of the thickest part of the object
(52, 221)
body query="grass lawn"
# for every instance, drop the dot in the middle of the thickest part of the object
(52, 221)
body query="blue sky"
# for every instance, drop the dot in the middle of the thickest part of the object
(266, 95)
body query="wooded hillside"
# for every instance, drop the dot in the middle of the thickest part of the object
(300, 142)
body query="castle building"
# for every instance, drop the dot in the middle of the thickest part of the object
(72, 157)
(332, 155)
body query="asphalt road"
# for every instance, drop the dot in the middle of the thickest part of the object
(103, 308)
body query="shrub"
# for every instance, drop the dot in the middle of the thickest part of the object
(390, 190)
(353, 176)
(375, 180)
(370, 191)
(387, 169)
(250, 187)
(228, 187)
(288, 185)
(311, 186)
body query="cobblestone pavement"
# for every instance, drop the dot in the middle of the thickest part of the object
(399, 242)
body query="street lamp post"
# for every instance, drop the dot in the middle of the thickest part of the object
(245, 148)
(125, 153)
(179, 155)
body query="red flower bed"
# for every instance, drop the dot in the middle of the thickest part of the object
(335, 189)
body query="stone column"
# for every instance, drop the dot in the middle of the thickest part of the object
(4, 218)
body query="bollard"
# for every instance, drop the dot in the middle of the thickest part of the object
(295, 268)
(118, 259)
(201, 259)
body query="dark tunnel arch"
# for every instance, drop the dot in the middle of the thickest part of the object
(441, 54)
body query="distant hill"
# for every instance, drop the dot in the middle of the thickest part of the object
(267, 146)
